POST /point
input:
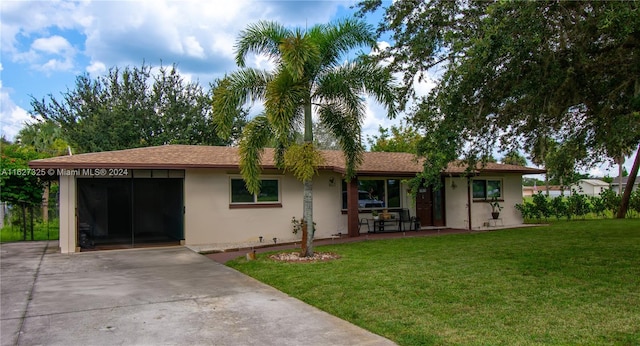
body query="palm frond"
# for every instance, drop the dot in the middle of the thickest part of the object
(338, 39)
(346, 126)
(255, 136)
(234, 91)
(263, 37)
(350, 82)
(298, 52)
(284, 99)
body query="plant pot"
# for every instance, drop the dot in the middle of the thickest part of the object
(495, 215)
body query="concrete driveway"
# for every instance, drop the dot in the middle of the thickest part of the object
(168, 296)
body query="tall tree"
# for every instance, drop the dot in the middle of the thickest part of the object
(519, 72)
(310, 75)
(132, 107)
(45, 137)
(513, 157)
(402, 138)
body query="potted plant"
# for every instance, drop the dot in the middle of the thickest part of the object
(495, 208)
(374, 213)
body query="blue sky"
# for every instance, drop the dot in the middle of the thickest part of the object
(46, 44)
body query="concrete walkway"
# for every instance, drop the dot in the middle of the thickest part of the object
(162, 296)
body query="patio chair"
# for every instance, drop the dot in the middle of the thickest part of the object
(406, 218)
(364, 221)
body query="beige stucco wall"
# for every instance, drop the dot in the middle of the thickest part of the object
(456, 203)
(67, 214)
(209, 218)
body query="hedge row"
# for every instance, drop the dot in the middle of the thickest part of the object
(577, 205)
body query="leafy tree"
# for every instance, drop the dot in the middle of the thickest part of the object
(20, 186)
(45, 137)
(561, 163)
(542, 206)
(597, 205)
(610, 199)
(399, 139)
(560, 208)
(513, 157)
(578, 204)
(519, 73)
(532, 181)
(310, 76)
(634, 201)
(133, 107)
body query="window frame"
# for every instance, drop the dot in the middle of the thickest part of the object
(256, 203)
(386, 191)
(486, 196)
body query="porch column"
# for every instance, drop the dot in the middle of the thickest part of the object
(352, 208)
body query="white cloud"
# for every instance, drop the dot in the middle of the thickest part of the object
(96, 68)
(193, 47)
(52, 45)
(12, 117)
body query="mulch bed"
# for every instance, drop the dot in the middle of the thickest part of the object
(295, 257)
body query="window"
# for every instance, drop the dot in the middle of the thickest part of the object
(487, 189)
(269, 192)
(380, 193)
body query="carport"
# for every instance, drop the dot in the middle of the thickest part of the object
(141, 210)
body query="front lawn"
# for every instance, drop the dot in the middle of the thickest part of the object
(572, 283)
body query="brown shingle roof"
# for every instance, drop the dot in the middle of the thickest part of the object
(195, 156)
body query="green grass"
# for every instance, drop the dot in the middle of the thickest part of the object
(570, 283)
(14, 233)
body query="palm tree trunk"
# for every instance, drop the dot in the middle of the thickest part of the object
(307, 199)
(308, 216)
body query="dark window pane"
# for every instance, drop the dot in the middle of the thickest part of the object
(479, 189)
(268, 191)
(393, 191)
(239, 193)
(494, 188)
(344, 194)
(371, 194)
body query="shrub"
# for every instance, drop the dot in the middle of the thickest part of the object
(611, 200)
(541, 206)
(578, 205)
(560, 208)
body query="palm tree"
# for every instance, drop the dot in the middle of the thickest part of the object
(310, 76)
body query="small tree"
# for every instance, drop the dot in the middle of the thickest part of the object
(559, 208)
(20, 186)
(310, 76)
(578, 204)
(542, 206)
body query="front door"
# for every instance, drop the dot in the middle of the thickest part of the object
(424, 206)
(430, 207)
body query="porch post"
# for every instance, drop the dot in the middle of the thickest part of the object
(352, 208)
(469, 201)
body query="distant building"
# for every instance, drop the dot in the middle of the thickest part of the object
(615, 184)
(592, 187)
(554, 190)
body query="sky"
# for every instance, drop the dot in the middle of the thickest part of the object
(46, 44)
